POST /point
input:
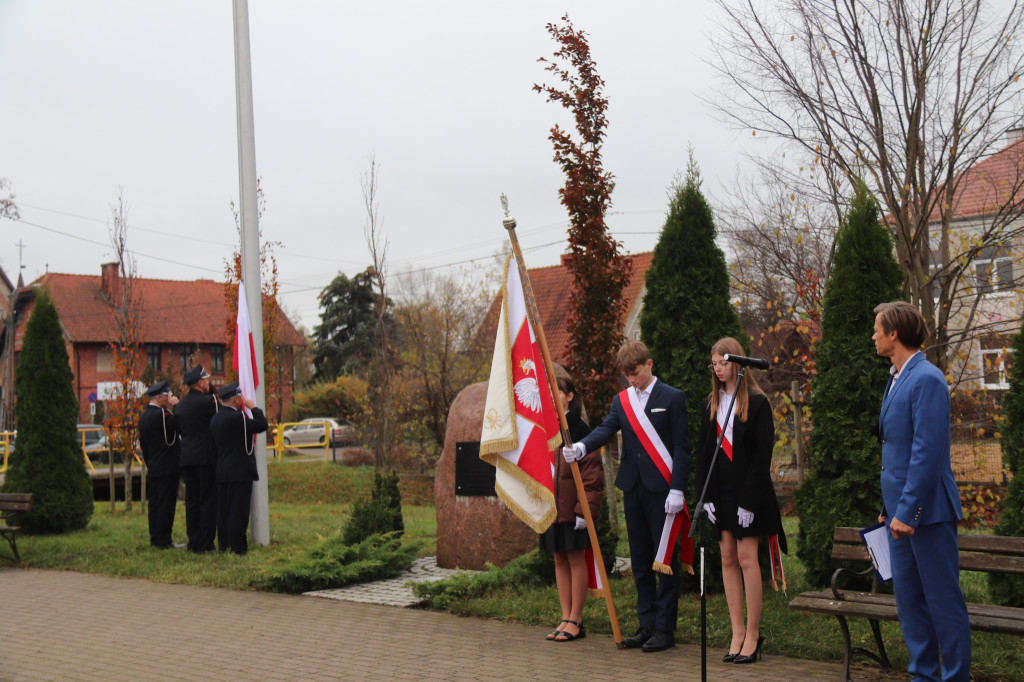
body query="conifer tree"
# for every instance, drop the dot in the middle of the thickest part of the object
(686, 305)
(1009, 589)
(843, 485)
(48, 460)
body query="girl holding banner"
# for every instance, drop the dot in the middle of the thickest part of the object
(740, 499)
(567, 537)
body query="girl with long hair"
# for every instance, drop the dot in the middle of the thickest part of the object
(740, 499)
(567, 538)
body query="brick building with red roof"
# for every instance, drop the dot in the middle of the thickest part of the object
(177, 318)
(551, 287)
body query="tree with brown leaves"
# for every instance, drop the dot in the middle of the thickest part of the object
(599, 271)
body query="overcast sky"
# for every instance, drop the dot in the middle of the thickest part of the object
(140, 95)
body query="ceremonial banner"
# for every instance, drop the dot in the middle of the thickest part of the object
(244, 360)
(521, 427)
(662, 458)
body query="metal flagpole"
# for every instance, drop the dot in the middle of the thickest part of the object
(531, 311)
(250, 238)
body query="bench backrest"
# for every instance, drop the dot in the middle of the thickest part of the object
(15, 502)
(988, 553)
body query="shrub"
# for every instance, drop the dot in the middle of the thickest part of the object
(382, 513)
(343, 397)
(334, 563)
(441, 594)
(843, 485)
(1008, 589)
(48, 459)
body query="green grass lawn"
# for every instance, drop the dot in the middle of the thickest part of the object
(307, 501)
(310, 500)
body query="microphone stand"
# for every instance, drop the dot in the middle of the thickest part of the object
(699, 516)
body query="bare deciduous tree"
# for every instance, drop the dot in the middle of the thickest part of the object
(909, 95)
(122, 411)
(381, 398)
(441, 353)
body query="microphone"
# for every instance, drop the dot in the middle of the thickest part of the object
(756, 363)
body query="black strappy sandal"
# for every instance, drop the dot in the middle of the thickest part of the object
(555, 633)
(570, 637)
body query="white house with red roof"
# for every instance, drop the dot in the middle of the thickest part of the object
(986, 226)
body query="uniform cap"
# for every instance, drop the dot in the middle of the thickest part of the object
(192, 377)
(229, 391)
(159, 388)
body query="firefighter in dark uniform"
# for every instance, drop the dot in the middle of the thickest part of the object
(234, 433)
(198, 460)
(161, 446)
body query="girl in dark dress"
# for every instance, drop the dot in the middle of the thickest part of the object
(740, 498)
(567, 537)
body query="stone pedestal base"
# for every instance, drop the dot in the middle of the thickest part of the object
(472, 531)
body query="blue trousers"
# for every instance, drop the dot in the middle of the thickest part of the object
(657, 594)
(931, 605)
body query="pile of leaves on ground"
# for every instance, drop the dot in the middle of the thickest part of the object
(369, 547)
(525, 570)
(982, 504)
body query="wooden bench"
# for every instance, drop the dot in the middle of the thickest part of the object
(11, 506)
(987, 553)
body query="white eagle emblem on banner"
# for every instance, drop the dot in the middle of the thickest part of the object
(527, 389)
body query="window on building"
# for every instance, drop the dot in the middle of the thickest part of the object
(216, 359)
(185, 352)
(996, 361)
(993, 270)
(153, 356)
(104, 360)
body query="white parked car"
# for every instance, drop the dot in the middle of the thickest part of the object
(313, 431)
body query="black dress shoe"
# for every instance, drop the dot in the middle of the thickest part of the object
(752, 657)
(638, 639)
(729, 658)
(659, 641)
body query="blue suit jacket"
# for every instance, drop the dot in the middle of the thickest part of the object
(917, 478)
(666, 408)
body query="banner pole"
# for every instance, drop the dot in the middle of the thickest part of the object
(532, 314)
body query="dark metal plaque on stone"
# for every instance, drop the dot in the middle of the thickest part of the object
(473, 476)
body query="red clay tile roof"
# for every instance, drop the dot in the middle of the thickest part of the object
(551, 287)
(172, 311)
(989, 186)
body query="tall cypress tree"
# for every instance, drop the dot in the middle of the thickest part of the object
(843, 488)
(1007, 589)
(47, 460)
(686, 305)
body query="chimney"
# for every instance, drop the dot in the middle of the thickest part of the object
(1013, 136)
(567, 259)
(111, 282)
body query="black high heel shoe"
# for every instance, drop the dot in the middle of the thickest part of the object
(729, 658)
(752, 657)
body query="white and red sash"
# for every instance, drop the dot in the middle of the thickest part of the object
(774, 549)
(721, 423)
(662, 458)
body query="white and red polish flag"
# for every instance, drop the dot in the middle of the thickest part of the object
(244, 360)
(521, 427)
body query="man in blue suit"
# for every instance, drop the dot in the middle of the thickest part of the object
(922, 502)
(653, 470)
